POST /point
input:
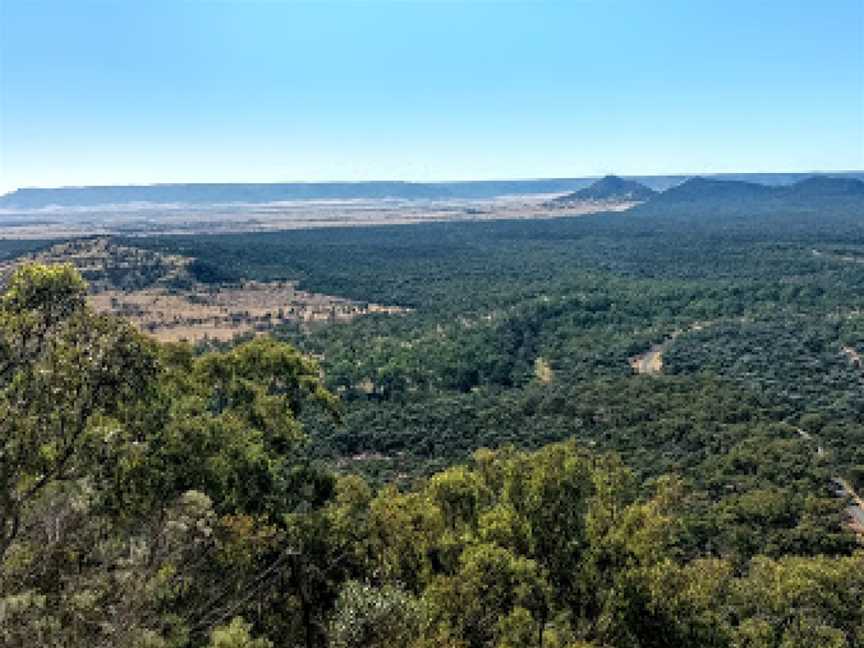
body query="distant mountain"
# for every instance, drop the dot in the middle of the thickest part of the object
(259, 193)
(825, 187)
(734, 192)
(815, 204)
(705, 189)
(610, 188)
(216, 193)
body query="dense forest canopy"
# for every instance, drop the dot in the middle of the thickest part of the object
(485, 469)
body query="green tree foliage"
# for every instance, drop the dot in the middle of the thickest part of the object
(236, 635)
(369, 617)
(144, 490)
(162, 496)
(562, 546)
(226, 423)
(67, 377)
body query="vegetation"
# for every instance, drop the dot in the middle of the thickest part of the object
(761, 311)
(152, 497)
(483, 470)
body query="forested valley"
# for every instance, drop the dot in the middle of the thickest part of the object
(491, 467)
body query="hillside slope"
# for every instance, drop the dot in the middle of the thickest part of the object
(818, 202)
(611, 188)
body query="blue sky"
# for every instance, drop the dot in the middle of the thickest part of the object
(173, 91)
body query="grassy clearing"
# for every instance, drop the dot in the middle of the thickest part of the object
(159, 295)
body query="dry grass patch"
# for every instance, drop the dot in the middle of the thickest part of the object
(228, 311)
(157, 294)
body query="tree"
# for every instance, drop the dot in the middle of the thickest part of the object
(370, 617)
(236, 635)
(490, 587)
(226, 423)
(147, 494)
(67, 379)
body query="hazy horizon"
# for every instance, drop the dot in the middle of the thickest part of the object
(443, 180)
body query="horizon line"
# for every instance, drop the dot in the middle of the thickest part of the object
(422, 182)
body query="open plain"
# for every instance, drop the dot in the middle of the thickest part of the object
(147, 219)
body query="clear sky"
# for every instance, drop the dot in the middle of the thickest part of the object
(141, 91)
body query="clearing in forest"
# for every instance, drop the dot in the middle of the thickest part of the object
(651, 362)
(543, 371)
(158, 294)
(853, 355)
